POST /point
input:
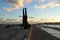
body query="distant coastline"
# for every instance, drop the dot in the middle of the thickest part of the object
(50, 23)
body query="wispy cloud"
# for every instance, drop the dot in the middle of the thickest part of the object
(48, 20)
(19, 20)
(50, 4)
(42, 6)
(29, 1)
(7, 9)
(30, 20)
(41, 0)
(57, 4)
(4, 15)
(16, 4)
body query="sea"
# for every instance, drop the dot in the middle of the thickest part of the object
(52, 29)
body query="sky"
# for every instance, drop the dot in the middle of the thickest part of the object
(38, 10)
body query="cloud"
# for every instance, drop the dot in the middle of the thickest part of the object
(31, 20)
(41, 0)
(19, 20)
(29, 1)
(7, 9)
(48, 20)
(4, 15)
(50, 4)
(10, 20)
(42, 6)
(16, 4)
(57, 4)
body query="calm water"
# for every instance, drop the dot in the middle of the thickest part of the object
(2, 25)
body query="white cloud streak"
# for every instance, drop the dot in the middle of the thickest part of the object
(41, 0)
(29, 1)
(42, 6)
(50, 4)
(19, 20)
(7, 9)
(31, 20)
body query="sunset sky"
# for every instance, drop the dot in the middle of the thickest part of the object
(44, 10)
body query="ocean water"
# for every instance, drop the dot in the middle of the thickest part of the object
(53, 32)
(3, 25)
(58, 26)
(12, 25)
